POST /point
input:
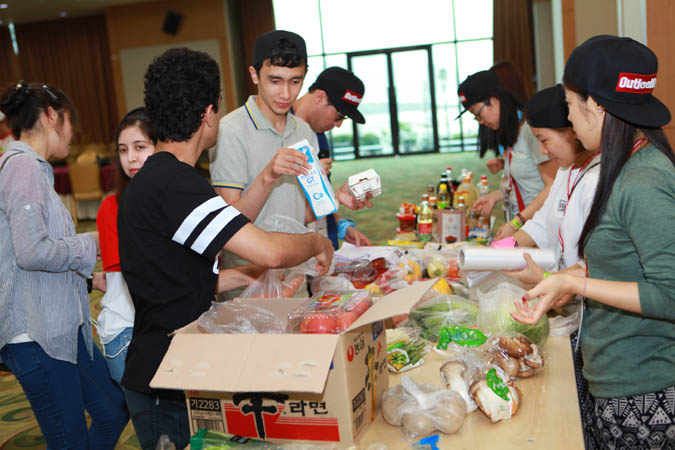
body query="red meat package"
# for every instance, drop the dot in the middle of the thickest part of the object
(330, 312)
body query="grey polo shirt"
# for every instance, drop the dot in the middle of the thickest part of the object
(247, 141)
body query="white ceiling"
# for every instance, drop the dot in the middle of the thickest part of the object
(25, 11)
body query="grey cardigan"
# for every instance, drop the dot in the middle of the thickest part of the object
(43, 262)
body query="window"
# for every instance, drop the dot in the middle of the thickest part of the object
(411, 59)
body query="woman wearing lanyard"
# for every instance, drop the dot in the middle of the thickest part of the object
(558, 223)
(628, 329)
(527, 172)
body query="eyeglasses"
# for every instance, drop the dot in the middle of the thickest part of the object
(476, 115)
(340, 116)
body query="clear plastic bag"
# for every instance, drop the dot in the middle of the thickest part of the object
(516, 355)
(405, 349)
(482, 384)
(467, 367)
(329, 312)
(420, 409)
(442, 311)
(275, 283)
(284, 224)
(235, 317)
(495, 306)
(282, 283)
(331, 283)
(567, 323)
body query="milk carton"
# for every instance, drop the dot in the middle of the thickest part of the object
(315, 184)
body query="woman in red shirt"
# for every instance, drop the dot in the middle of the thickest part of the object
(135, 142)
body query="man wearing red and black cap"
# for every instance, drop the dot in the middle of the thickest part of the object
(334, 96)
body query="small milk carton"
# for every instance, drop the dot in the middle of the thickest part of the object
(315, 184)
(364, 182)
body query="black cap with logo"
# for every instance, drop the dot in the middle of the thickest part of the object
(264, 44)
(477, 87)
(620, 74)
(547, 108)
(344, 90)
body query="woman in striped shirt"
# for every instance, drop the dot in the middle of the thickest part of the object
(45, 336)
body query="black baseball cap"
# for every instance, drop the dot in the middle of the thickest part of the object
(264, 44)
(344, 90)
(477, 87)
(620, 74)
(547, 108)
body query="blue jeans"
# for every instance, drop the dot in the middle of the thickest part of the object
(156, 414)
(115, 353)
(59, 392)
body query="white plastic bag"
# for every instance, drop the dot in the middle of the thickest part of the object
(282, 283)
(236, 317)
(422, 408)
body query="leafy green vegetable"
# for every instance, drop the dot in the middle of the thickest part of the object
(405, 353)
(498, 321)
(447, 311)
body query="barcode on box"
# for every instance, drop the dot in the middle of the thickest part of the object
(359, 421)
(359, 400)
(213, 425)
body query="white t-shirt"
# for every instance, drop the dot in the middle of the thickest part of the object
(118, 309)
(544, 225)
(525, 158)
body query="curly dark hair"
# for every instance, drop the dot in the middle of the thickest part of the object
(179, 85)
(23, 103)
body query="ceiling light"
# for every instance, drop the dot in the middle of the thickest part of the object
(4, 5)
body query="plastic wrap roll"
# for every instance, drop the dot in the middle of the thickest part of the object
(483, 259)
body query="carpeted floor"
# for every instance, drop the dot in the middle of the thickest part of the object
(404, 179)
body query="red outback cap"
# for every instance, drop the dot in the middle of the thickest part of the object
(620, 74)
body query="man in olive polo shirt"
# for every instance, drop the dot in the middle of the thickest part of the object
(254, 138)
(252, 167)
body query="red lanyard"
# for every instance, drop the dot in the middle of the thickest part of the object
(636, 145)
(514, 185)
(569, 196)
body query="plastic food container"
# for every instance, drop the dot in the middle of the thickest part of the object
(330, 312)
(360, 272)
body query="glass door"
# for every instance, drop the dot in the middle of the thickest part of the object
(399, 103)
(374, 138)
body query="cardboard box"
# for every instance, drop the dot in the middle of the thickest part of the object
(450, 222)
(280, 387)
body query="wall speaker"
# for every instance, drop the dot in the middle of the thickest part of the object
(171, 22)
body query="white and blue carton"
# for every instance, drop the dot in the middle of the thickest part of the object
(315, 184)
